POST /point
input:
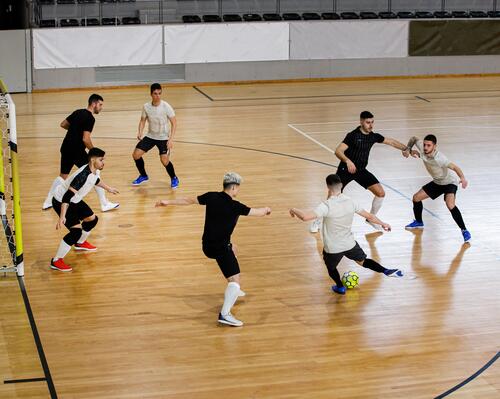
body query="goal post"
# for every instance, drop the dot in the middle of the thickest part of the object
(11, 242)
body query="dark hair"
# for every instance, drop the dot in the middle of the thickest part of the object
(95, 98)
(333, 180)
(431, 137)
(95, 152)
(155, 86)
(365, 115)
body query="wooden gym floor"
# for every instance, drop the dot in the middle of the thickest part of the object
(137, 319)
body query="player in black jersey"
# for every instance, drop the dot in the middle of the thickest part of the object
(353, 153)
(221, 215)
(79, 127)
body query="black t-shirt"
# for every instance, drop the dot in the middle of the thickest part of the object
(221, 216)
(359, 146)
(79, 121)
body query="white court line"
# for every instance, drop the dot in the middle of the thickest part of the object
(411, 128)
(400, 120)
(310, 138)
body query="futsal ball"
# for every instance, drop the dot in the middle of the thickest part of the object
(350, 279)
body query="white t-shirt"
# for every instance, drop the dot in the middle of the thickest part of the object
(337, 213)
(437, 166)
(83, 180)
(158, 124)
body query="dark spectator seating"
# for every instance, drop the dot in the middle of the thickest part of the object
(271, 17)
(48, 23)
(349, 15)
(65, 1)
(232, 18)
(311, 16)
(406, 15)
(65, 22)
(291, 16)
(109, 1)
(330, 15)
(86, 1)
(131, 21)
(90, 22)
(387, 15)
(190, 19)
(46, 2)
(460, 14)
(494, 14)
(110, 21)
(478, 14)
(442, 14)
(368, 15)
(211, 18)
(424, 14)
(252, 17)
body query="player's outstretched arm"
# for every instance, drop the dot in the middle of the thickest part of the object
(372, 218)
(394, 143)
(458, 171)
(305, 216)
(260, 211)
(409, 148)
(109, 189)
(178, 201)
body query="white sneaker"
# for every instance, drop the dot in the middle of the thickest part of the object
(46, 205)
(241, 293)
(375, 226)
(110, 206)
(315, 226)
(230, 320)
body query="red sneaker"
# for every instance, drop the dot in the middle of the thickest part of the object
(85, 246)
(60, 265)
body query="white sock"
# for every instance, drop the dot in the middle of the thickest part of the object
(83, 237)
(101, 193)
(63, 250)
(230, 297)
(376, 204)
(58, 180)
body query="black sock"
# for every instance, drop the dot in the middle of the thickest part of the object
(170, 170)
(140, 166)
(372, 265)
(417, 211)
(457, 217)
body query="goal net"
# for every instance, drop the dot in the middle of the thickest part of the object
(11, 241)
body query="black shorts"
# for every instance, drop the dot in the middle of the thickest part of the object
(147, 143)
(434, 190)
(356, 253)
(226, 259)
(75, 213)
(70, 158)
(363, 177)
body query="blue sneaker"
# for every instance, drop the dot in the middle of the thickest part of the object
(175, 182)
(415, 225)
(394, 273)
(467, 236)
(339, 290)
(141, 179)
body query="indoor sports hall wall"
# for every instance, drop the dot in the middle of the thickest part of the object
(93, 56)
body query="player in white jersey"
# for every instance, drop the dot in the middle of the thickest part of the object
(162, 125)
(443, 182)
(73, 212)
(337, 213)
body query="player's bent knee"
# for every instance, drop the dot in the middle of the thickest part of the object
(89, 225)
(73, 236)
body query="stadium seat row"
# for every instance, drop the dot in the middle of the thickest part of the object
(308, 16)
(52, 23)
(50, 2)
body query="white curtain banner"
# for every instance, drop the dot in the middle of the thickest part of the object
(202, 43)
(97, 47)
(347, 40)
